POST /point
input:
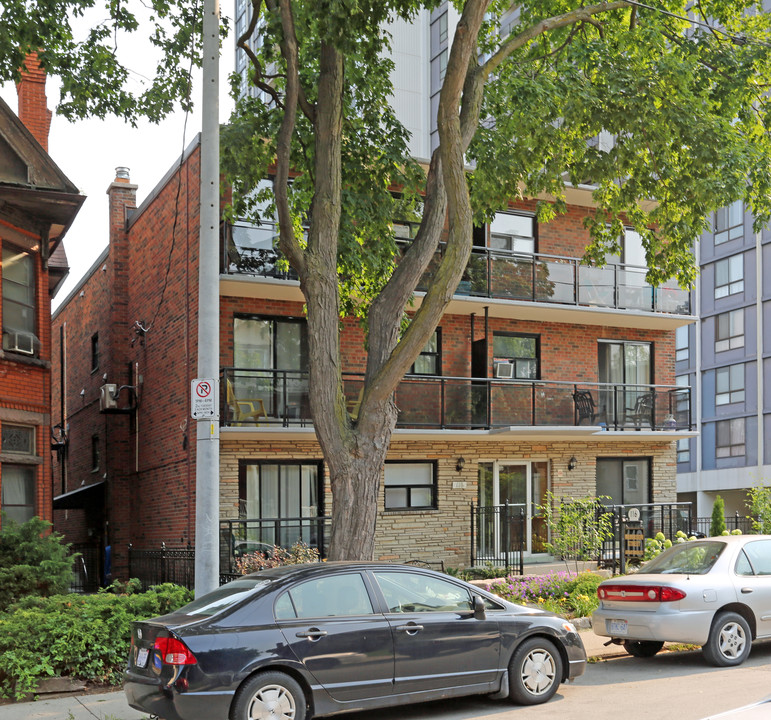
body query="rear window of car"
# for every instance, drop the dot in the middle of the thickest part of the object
(688, 558)
(224, 597)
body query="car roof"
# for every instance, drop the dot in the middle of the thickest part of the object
(311, 569)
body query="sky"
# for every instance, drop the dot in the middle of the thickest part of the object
(88, 152)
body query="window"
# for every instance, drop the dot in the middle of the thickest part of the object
(729, 276)
(18, 439)
(681, 344)
(406, 592)
(429, 362)
(279, 490)
(19, 308)
(410, 486)
(684, 450)
(730, 438)
(17, 496)
(94, 352)
(443, 28)
(515, 356)
(729, 330)
(508, 231)
(333, 596)
(95, 455)
(624, 481)
(755, 559)
(729, 385)
(729, 222)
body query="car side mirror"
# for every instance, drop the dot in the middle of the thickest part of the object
(479, 607)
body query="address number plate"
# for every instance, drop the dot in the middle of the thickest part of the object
(617, 627)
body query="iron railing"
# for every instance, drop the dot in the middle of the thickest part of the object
(265, 397)
(498, 536)
(537, 277)
(735, 522)
(163, 565)
(87, 568)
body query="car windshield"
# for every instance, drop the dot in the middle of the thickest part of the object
(223, 597)
(691, 558)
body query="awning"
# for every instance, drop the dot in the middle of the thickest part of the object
(87, 496)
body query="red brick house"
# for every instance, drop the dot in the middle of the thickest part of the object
(544, 375)
(37, 206)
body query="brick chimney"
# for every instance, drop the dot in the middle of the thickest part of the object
(33, 104)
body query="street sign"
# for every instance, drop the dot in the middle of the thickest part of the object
(205, 398)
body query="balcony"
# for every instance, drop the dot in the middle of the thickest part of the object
(267, 398)
(535, 286)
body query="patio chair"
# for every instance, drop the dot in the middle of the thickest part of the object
(244, 411)
(643, 410)
(585, 408)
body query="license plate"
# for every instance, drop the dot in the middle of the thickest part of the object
(616, 627)
(142, 657)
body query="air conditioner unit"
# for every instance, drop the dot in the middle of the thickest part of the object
(108, 397)
(20, 342)
(504, 370)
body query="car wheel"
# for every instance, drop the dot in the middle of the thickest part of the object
(642, 648)
(270, 695)
(535, 672)
(729, 640)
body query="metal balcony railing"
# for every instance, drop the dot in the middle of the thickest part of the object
(538, 277)
(265, 397)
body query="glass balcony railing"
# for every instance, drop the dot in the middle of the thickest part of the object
(249, 250)
(265, 397)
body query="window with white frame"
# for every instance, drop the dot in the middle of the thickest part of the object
(19, 304)
(681, 343)
(729, 440)
(511, 231)
(17, 496)
(410, 486)
(729, 276)
(729, 222)
(729, 330)
(729, 385)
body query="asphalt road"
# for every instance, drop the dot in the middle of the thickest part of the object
(671, 686)
(677, 686)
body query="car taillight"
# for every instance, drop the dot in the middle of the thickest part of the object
(173, 651)
(640, 593)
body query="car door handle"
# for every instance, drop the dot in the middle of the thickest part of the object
(410, 628)
(312, 634)
(746, 590)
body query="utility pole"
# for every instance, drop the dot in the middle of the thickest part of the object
(207, 471)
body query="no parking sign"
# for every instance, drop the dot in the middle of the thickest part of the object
(204, 398)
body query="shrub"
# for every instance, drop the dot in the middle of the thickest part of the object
(83, 636)
(717, 524)
(760, 508)
(300, 552)
(33, 561)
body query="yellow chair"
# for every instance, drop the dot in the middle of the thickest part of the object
(245, 410)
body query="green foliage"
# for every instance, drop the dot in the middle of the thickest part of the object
(578, 527)
(563, 593)
(33, 561)
(488, 571)
(717, 524)
(299, 553)
(760, 508)
(83, 636)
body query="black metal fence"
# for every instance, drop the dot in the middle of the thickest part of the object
(498, 536)
(153, 567)
(736, 522)
(86, 568)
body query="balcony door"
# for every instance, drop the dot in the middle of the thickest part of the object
(271, 359)
(523, 486)
(627, 369)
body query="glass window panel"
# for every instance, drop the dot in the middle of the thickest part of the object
(634, 252)
(420, 497)
(414, 592)
(396, 498)
(409, 474)
(333, 596)
(269, 504)
(18, 439)
(512, 232)
(17, 499)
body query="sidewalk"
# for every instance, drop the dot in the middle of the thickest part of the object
(113, 705)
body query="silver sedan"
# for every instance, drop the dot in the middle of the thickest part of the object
(714, 592)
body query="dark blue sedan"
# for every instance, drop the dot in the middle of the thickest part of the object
(309, 640)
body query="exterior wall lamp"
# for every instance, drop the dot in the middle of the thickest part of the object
(460, 464)
(572, 463)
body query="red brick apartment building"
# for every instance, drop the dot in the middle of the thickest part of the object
(544, 375)
(37, 206)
